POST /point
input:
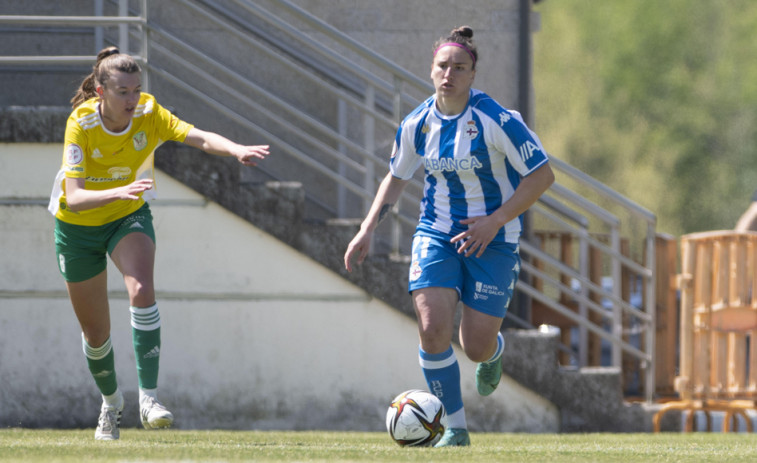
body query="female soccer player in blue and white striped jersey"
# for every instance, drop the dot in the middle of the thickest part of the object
(483, 169)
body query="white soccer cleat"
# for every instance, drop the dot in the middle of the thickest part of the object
(107, 424)
(154, 415)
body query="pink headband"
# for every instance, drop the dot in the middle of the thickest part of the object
(458, 45)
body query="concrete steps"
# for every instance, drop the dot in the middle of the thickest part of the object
(589, 399)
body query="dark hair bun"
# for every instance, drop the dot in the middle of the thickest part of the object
(464, 31)
(105, 52)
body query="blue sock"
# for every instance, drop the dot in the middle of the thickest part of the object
(442, 374)
(500, 348)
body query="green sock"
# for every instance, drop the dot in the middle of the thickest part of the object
(145, 333)
(102, 365)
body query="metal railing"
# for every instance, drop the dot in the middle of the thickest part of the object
(123, 21)
(621, 315)
(332, 149)
(381, 101)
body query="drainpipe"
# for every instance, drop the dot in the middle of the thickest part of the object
(524, 61)
(521, 303)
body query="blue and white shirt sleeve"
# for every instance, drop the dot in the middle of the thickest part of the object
(407, 152)
(522, 146)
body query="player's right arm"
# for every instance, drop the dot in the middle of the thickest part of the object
(388, 193)
(80, 199)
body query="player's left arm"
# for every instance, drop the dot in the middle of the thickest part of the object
(482, 230)
(214, 143)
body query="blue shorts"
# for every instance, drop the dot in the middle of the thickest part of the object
(483, 283)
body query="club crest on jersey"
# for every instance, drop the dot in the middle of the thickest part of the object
(74, 154)
(415, 271)
(470, 131)
(140, 140)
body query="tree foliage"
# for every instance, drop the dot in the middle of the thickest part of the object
(656, 99)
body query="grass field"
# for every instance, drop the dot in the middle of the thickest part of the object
(220, 446)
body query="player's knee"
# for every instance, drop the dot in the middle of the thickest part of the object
(477, 355)
(95, 337)
(476, 351)
(141, 294)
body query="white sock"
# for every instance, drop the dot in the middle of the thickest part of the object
(147, 393)
(457, 420)
(115, 400)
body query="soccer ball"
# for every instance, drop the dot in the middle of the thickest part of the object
(416, 418)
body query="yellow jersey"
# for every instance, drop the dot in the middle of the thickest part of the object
(109, 160)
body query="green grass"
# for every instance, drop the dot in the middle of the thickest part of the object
(220, 446)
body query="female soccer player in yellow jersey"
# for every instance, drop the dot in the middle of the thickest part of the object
(98, 201)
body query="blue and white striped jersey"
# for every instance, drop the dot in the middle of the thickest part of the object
(473, 161)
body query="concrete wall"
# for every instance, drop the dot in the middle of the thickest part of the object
(404, 31)
(255, 335)
(401, 30)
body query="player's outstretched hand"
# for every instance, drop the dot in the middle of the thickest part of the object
(250, 155)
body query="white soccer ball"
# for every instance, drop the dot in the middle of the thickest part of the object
(416, 418)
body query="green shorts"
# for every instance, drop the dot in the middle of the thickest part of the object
(81, 249)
